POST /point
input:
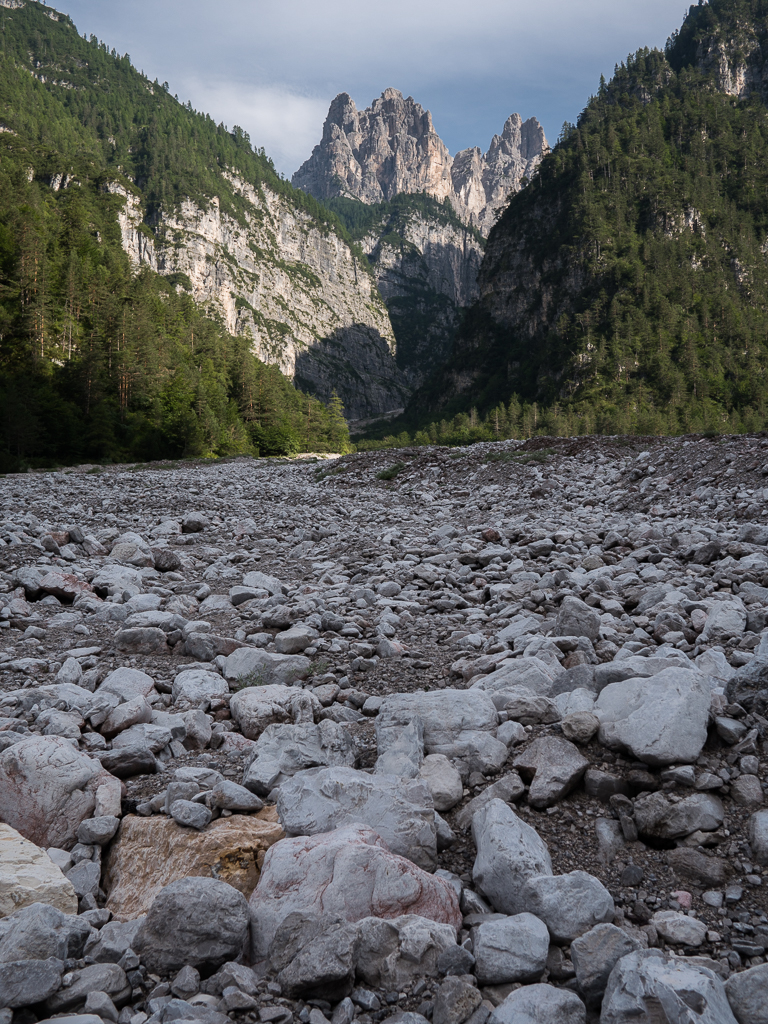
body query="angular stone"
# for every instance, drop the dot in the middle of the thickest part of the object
(314, 958)
(27, 982)
(265, 669)
(746, 993)
(400, 747)
(656, 815)
(509, 788)
(190, 814)
(256, 707)
(283, 750)
(679, 928)
(131, 712)
(107, 978)
(568, 904)
(198, 688)
(457, 723)
(400, 810)
(47, 788)
(347, 874)
(392, 954)
(456, 1001)
(295, 640)
(726, 620)
(644, 981)
(128, 683)
(537, 1004)
(660, 720)
(28, 875)
(110, 944)
(40, 931)
(150, 853)
(141, 640)
(575, 618)
(595, 954)
(758, 837)
(509, 852)
(698, 867)
(124, 762)
(443, 781)
(511, 949)
(555, 766)
(747, 791)
(200, 922)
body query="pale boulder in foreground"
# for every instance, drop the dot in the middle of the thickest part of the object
(28, 875)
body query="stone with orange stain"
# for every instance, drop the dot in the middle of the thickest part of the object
(150, 853)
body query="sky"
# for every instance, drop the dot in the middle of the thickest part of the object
(273, 66)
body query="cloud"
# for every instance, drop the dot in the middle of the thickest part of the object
(274, 67)
(286, 124)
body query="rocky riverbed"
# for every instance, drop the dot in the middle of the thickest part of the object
(468, 736)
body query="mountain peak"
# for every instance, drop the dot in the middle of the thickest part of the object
(392, 147)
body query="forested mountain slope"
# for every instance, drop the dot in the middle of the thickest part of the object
(145, 253)
(627, 287)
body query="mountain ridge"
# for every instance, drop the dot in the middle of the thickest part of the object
(392, 147)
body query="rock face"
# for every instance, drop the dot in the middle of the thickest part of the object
(28, 875)
(47, 788)
(392, 147)
(150, 853)
(348, 874)
(306, 300)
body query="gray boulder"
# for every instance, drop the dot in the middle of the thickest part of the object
(41, 932)
(568, 904)
(265, 669)
(400, 810)
(726, 620)
(758, 837)
(197, 921)
(111, 942)
(457, 1000)
(509, 788)
(648, 982)
(314, 957)
(575, 618)
(533, 674)
(256, 707)
(400, 746)
(540, 1004)
(47, 788)
(197, 688)
(26, 982)
(443, 781)
(108, 978)
(595, 954)
(660, 720)
(457, 723)
(657, 816)
(393, 954)
(283, 750)
(511, 949)
(555, 767)
(509, 852)
(128, 683)
(347, 874)
(747, 994)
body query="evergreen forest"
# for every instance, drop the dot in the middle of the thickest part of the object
(626, 289)
(98, 362)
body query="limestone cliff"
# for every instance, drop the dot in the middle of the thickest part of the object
(426, 265)
(392, 147)
(309, 304)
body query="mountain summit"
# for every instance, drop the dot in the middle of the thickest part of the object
(392, 147)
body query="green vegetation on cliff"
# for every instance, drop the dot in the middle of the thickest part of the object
(626, 289)
(97, 362)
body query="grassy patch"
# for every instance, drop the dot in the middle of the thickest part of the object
(253, 678)
(391, 472)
